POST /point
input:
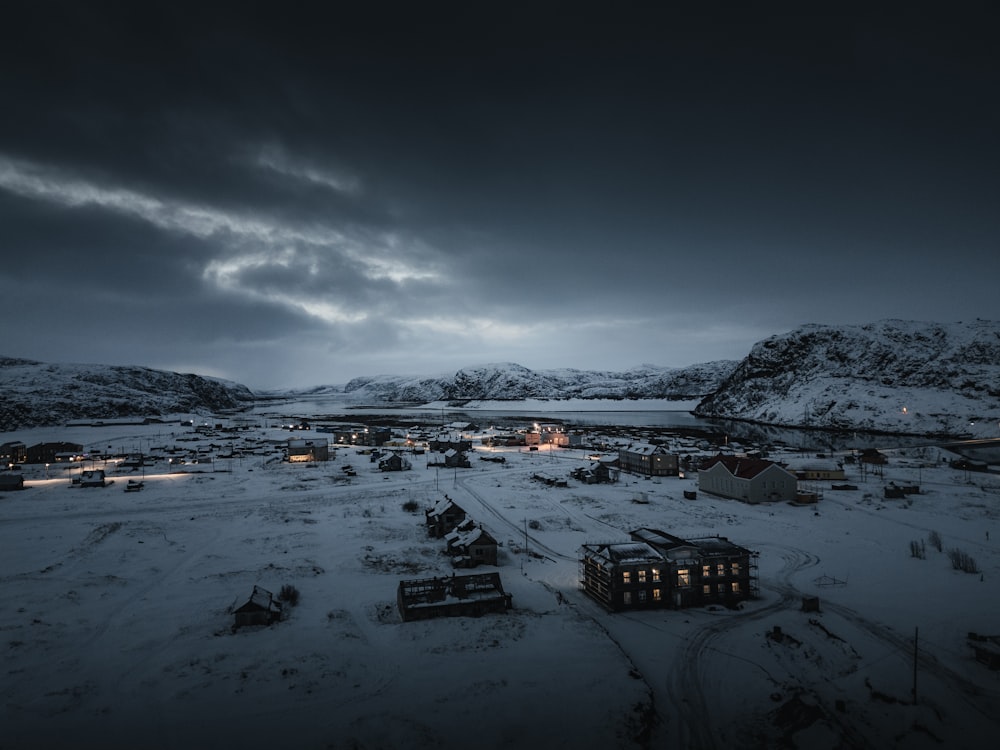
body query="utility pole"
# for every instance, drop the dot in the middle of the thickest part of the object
(916, 632)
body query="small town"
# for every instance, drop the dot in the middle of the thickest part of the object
(272, 528)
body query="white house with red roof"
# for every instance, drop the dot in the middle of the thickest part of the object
(752, 480)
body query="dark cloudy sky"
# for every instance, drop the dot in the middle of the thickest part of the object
(294, 194)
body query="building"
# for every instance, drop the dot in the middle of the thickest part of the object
(814, 470)
(301, 450)
(443, 517)
(873, 456)
(472, 546)
(656, 569)
(11, 480)
(450, 459)
(260, 609)
(394, 462)
(553, 434)
(50, 453)
(648, 460)
(752, 480)
(456, 596)
(14, 452)
(598, 472)
(706, 570)
(359, 435)
(93, 478)
(446, 442)
(624, 575)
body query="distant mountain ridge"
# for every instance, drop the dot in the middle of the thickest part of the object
(39, 394)
(512, 382)
(889, 376)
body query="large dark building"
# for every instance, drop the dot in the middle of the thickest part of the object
(657, 569)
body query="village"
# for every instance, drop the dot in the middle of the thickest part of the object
(338, 536)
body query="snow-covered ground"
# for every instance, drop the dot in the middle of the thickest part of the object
(117, 611)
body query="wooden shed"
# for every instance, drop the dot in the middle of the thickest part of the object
(260, 609)
(11, 480)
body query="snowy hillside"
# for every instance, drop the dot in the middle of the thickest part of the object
(890, 376)
(36, 393)
(509, 381)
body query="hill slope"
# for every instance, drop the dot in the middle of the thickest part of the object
(508, 382)
(890, 376)
(37, 393)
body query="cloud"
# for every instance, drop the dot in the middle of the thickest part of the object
(300, 266)
(275, 158)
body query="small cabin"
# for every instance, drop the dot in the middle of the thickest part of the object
(93, 478)
(11, 481)
(260, 609)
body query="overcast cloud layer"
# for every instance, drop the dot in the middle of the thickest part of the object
(287, 197)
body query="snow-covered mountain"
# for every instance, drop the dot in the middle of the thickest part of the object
(508, 381)
(37, 393)
(890, 376)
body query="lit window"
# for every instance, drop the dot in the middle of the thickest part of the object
(656, 575)
(736, 569)
(721, 569)
(736, 587)
(626, 576)
(656, 595)
(706, 571)
(642, 576)
(706, 589)
(684, 577)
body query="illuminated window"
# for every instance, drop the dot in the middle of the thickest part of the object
(626, 576)
(656, 575)
(684, 577)
(721, 569)
(736, 587)
(642, 576)
(706, 571)
(706, 589)
(736, 569)
(656, 595)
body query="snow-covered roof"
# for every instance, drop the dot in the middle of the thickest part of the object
(741, 468)
(645, 449)
(626, 553)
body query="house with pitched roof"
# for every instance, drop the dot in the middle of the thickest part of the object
(752, 480)
(443, 517)
(470, 545)
(260, 609)
(395, 462)
(301, 450)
